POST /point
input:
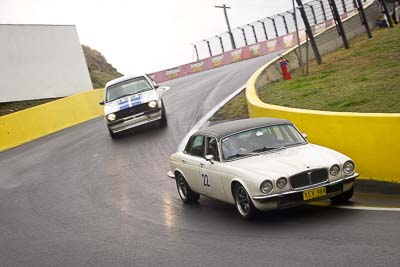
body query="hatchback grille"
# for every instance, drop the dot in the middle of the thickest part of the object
(132, 111)
(309, 178)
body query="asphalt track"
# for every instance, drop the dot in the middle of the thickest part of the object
(78, 198)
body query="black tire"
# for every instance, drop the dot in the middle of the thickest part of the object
(112, 134)
(184, 190)
(343, 197)
(163, 121)
(243, 203)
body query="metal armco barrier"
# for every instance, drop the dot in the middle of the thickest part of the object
(318, 11)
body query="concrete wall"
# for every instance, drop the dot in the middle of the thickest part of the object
(41, 61)
(26, 125)
(369, 138)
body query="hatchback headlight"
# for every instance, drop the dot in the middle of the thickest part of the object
(348, 167)
(334, 170)
(266, 187)
(111, 117)
(152, 104)
(281, 182)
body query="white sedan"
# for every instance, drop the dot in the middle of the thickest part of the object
(260, 164)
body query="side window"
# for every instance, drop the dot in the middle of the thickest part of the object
(188, 147)
(197, 147)
(212, 148)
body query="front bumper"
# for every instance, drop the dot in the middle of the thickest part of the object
(135, 120)
(295, 197)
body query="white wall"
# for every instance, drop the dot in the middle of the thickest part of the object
(41, 61)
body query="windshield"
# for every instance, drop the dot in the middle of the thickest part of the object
(130, 87)
(255, 141)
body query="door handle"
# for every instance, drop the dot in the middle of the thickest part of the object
(183, 161)
(201, 164)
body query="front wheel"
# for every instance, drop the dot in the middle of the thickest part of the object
(243, 203)
(184, 191)
(163, 120)
(112, 134)
(343, 197)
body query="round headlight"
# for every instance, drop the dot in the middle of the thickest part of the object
(348, 167)
(334, 170)
(281, 182)
(266, 187)
(111, 117)
(152, 104)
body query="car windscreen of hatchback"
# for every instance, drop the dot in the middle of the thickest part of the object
(130, 87)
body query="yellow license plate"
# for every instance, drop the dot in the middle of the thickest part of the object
(314, 193)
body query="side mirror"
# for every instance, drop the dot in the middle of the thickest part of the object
(101, 103)
(304, 135)
(156, 86)
(210, 158)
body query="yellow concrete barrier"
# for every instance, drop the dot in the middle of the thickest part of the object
(370, 139)
(29, 124)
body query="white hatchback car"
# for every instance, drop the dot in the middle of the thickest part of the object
(131, 101)
(260, 164)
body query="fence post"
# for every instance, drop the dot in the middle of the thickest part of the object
(220, 41)
(323, 9)
(197, 52)
(337, 18)
(344, 6)
(273, 22)
(284, 22)
(254, 32)
(209, 47)
(244, 36)
(308, 28)
(265, 29)
(386, 10)
(313, 13)
(363, 18)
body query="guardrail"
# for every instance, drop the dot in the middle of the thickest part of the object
(320, 18)
(369, 138)
(29, 124)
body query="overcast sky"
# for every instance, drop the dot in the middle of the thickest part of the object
(141, 35)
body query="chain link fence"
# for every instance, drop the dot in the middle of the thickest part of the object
(317, 12)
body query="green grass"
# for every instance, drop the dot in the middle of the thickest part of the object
(364, 78)
(234, 109)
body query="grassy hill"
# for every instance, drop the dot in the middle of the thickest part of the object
(364, 78)
(100, 70)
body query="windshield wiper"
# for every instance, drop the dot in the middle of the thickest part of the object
(142, 90)
(295, 144)
(268, 148)
(238, 155)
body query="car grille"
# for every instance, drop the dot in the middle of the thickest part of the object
(132, 111)
(309, 178)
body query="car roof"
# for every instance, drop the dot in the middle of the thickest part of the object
(227, 128)
(125, 78)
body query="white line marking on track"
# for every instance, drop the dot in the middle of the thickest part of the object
(354, 207)
(364, 208)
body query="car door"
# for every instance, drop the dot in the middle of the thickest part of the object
(211, 171)
(193, 161)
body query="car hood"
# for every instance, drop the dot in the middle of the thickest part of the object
(289, 161)
(130, 101)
